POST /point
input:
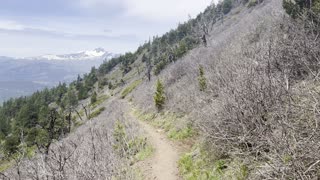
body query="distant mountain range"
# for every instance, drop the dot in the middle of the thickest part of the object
(98, 53)
(22, 76)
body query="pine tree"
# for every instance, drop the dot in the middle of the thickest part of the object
(227, 6)
(296, 7)
(110, 86)
(159, 97)
(93, 98)
(72, 100)
(144, 58)
(83, 93)
(202, 79)
(182, 49)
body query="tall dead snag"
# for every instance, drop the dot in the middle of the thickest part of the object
(149, 69)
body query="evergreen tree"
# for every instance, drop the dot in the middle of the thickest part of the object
(70, 99)
(144, 58)
(83, 93)
(78, 82)
(11, 144)
(159, 97)
(296, 7)
(102, 82)
(227, 6)
(202, 79)
(126, 61)
(93, 98)
(110, 85)
(182, 49)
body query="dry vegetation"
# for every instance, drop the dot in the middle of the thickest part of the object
(258, 113)
(261, 104)
(88, 153)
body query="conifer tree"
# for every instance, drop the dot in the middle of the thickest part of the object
(83, 93)
(159, 97)
(93, 98)
(202, 79)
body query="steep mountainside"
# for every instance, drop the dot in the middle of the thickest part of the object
(235, 91)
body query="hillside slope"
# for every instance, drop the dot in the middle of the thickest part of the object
(239, 83)
(255, 114)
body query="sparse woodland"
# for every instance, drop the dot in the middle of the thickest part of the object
(243, 74)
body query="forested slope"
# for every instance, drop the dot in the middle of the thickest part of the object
(239, 83)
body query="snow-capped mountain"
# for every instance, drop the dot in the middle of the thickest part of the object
(22, 76)
(98, 53)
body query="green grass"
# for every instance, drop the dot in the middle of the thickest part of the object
(5, 165)
(168, 122)
(144, 153)
(143, 116)
(81, 112)
(252, 3)
(194, 169)
(78, 124)
(138, 174)
(134, 148)
(130, 88)
(198, 165)
(31, 151)
(97, 112)
(99, 101)
(186, 132)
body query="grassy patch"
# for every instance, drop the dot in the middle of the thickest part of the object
(194, 170)
(128, 147)
(148, 117)
(173, 124)
(81, 112)
(99, 101)
(130, 88)
(144, 153)
(78, 124)
(252, 3)
(5, 165)
(138, 174)
(97, 112)
(186, 132)
(198, 165)
(31, 151)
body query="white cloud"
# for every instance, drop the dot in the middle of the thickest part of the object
(11, 25)
(165, 10)
(58, 27)
(153, 10)
(96, 4)
(117, 25)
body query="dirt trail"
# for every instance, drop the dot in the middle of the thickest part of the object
(163, 163)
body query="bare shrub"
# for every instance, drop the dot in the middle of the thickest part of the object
(262, 99)
(87, 153)
(269, 105)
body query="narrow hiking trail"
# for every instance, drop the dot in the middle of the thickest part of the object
(163, 164)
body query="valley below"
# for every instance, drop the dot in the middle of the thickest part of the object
(12, 89)
(23, 76)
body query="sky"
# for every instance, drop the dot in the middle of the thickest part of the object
(38, 27)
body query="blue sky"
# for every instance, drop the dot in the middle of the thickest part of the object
(38, 27)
